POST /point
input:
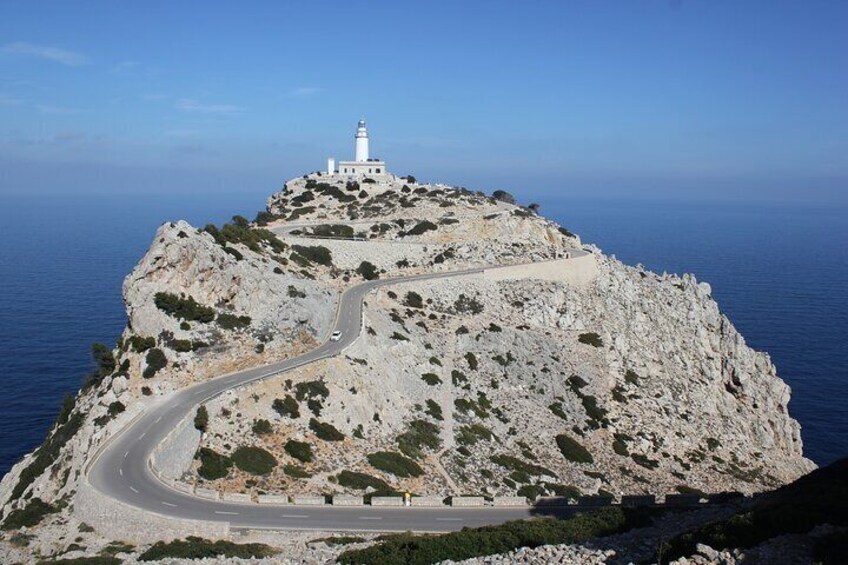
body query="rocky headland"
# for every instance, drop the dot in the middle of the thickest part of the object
(554, 370)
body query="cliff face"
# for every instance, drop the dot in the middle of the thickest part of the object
(573, 375)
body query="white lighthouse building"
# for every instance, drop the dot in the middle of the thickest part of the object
(363, 165)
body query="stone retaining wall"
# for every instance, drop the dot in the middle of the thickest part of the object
(173, 456)
(428, 501)
(386, 501)
(342, 500)
(577, 271)
(464, 501)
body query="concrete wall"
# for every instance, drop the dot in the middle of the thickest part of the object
(427, 501)
(173, 456)
(509, 501)
(344, 500)
(465, 501)
(119, 521)
(577, 271)
(386, 501)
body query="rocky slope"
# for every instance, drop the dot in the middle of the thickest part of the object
(563, 379)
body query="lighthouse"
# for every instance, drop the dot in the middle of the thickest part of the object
(362, 165)
(361, 142)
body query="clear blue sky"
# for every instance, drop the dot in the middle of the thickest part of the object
(694, 99)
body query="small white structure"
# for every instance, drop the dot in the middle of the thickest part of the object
(363, 165)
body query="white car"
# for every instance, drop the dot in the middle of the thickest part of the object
(336, 336)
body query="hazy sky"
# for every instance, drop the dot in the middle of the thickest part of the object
(719, 99)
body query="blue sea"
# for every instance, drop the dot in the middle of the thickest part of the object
(779, 271)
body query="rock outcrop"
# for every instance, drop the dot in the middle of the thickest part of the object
(587, 377)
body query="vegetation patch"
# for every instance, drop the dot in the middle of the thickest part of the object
(405, 549)
(413, 300)
(333, 230)
(314, 254)
(467, 305)
(469, 435)
(325, 431)
(572, 450)
(141, 344)
(395, 463)
(522, 468)
(368, 271)
(253, 460)
(232, 322)
(434, 410)
(591, 338)
(28, 516)
(156, 361)
(183, 308)
(300, 450)
(199, 548)
(261, 427)
(421, 228)
(418, 435)
(213, 465)
(296, 472)
(201, 418)
(287, 407)
(471, 359)
(431, 379)
(361, 481)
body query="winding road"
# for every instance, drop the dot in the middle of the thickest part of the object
(121, 469)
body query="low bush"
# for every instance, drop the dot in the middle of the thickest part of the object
(395, 463)
(296, 472)
(631, 377)
(522, 468)
(467, 305)
(315, 254)
(361, 481)
(572, 450)
(253, 460)
(93, 560)
(431, 379)
(261, 427)
(287, 407)
(471, 359)
(325, 431)
(300, 450)
(406, 549)
(422, 227)
(183, 308)
(213, 465)
(333, 230)
(368, 271)
(413, 300)
(419, 434)
(434, 410)
(469, 435)
(399, 337)
(201, 418)
(199, 548)
(141, 344)
(156, 361)
(232, 322)
(591, 338)
(28, 516)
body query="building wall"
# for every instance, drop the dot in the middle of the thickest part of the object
(366, 168)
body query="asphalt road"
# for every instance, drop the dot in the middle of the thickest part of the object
(121, 469)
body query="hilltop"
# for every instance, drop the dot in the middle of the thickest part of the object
(562, 373)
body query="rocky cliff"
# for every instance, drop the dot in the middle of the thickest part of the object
(567, 373)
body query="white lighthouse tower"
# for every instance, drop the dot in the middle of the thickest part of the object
(361, 142)
(363, 165)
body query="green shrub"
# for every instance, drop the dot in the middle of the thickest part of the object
(414, 300)
(333, 230)
(395, 463)
(644, 461)
(465, 305)
(431, 379)
(93, 560)
(183, 308)
(361, 481)
(156, 360)
(503, 196)
(253, 460)
(115, 408)
(263, 218)
(104, 359)
(471, 359)
(368, 271)
(311, 389)
(28, 516)
(572, 450)
(458, 377)
(287, 407)
(631, 377)
(434, 410)
(410, 549)
(591, 338)
(422, 227)
(213, 465)
(556, 408)
(419, 434)
(300, 450)
(325, 431)
(469, 435)
(232, 322)
(315, 254)
(201, 418)
(142, 344)
(399, 337)
(261, 427)
(296, 472)
(199, 548)
(521, 467)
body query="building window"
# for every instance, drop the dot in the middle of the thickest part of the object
(369, 170)
(378, 171)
